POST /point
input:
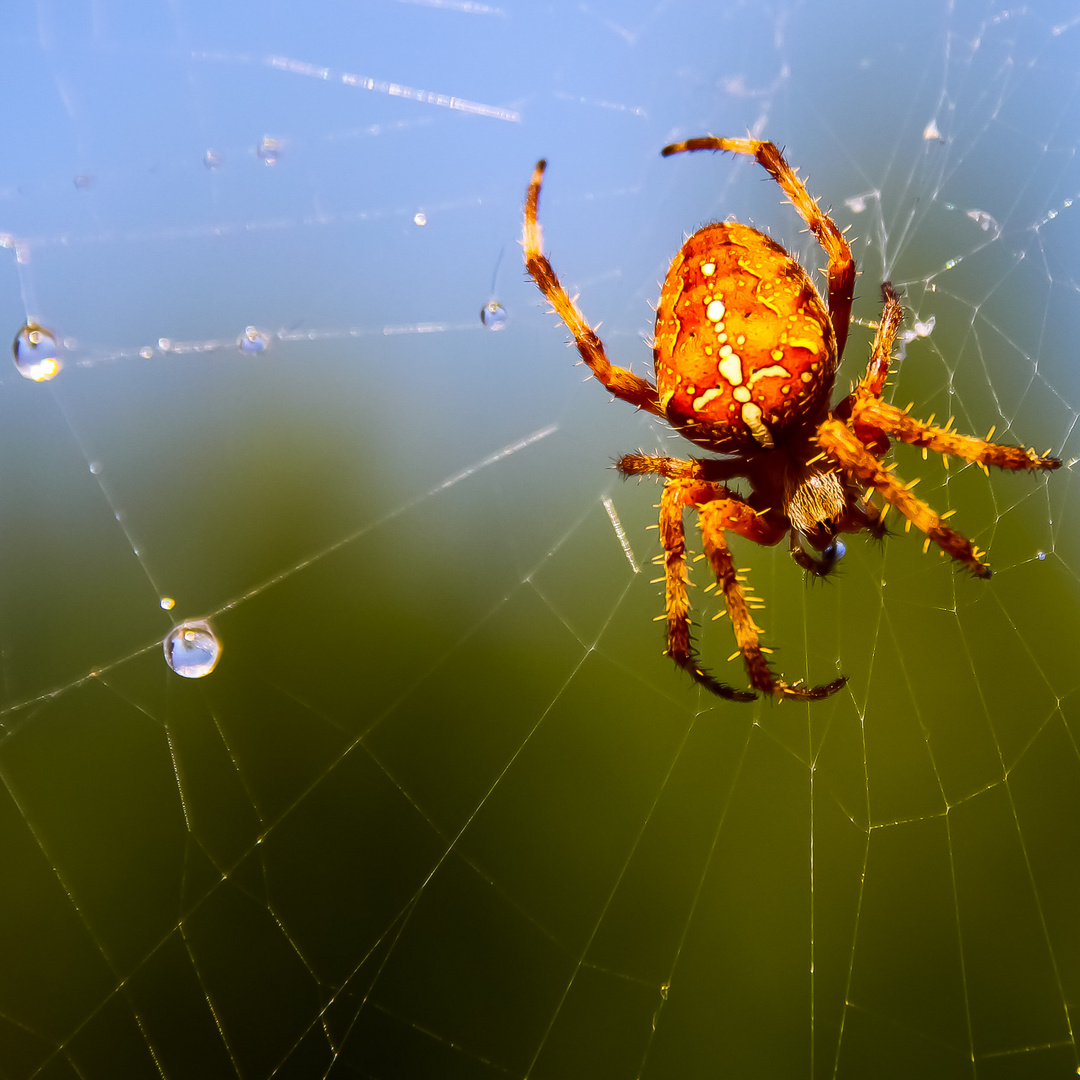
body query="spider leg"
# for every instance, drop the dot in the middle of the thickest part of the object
(874, 419)
(720, 509)
(732, 513)
(893, 421)
(877, 371)
(844, 447)
(677, 495)
(708, 470)
(621, 382)
(841, 271)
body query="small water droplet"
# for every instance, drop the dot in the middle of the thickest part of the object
(164, 344)
(493, 315)
(253, 340)
(984, 220)
(1040, 555)
(192, 649)
(84, 181)
(420, 218)
(269, 150)
(146, 352)
(212, 159)
(34, 349)
(95, 467)
(167, 603)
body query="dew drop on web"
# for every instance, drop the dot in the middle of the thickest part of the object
(36, 353)
(268, 150)
(253, 340)
(493, 315)
(192, 649)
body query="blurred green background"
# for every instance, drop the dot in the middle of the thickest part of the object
(443, 808)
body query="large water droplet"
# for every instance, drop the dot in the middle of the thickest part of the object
(493, 315)
(192, 649)
(35, 353)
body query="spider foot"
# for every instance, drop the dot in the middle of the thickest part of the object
(711, 683)
(807, 693)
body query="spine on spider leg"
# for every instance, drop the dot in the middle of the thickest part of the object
(908, 429)
(842, 446)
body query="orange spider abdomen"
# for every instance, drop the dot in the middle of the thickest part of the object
(745, 350)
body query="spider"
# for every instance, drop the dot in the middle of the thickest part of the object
(745, 354)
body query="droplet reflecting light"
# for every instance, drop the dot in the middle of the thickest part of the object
(253, 340)
(269, 150)
(420, 218)
(34, 348)
(192, 649)
(493, 315)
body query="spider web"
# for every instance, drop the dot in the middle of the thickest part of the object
(443, 808)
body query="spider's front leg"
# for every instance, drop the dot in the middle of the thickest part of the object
(720, 509)
(621, 382)
(874, 420)
(841, 269)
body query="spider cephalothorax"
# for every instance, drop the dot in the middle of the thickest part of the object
(745, 356)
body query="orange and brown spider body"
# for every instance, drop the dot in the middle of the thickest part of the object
(744, 347)
(745, 357)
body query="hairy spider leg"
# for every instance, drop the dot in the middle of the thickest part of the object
(897, 422)
(842, 445)
(841, 269)
(677, 495)
(720, 509)
(620, 381)
(715, 518)
(708, 470)
(873, 418)
(877, 370)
